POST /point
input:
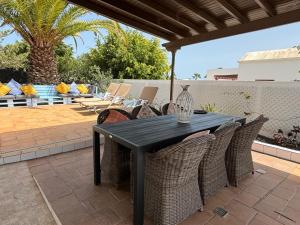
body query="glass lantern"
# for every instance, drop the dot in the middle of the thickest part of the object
(184, 105)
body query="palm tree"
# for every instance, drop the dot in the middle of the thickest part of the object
(43, 24)
(196, 76)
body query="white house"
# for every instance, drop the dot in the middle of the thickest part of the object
(277, 65)
(222, 74)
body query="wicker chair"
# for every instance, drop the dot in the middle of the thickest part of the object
(212, 169)
(238, 156)
(137, 109)
(171, 181)
(115, 162)
(164, 109)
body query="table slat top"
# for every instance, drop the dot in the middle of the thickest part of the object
(157, 131)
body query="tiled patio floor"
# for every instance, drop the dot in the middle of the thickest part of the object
(21, 202)
(67, 182)
(25, 130)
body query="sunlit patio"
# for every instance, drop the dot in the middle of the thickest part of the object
(27, 133)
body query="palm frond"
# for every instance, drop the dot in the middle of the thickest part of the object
(47, 22)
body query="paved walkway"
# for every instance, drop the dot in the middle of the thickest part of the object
(67, 181)
(34, 132)
(20, 200)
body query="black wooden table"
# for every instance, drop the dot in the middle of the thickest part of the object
(144, 135)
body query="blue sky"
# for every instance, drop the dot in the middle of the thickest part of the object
(223, 52)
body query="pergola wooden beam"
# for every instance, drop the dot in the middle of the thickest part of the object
(170, 14)
(123, 18)
(290, 17)
(135, 11)
(266, 6)
(230, 9)
(201, 13)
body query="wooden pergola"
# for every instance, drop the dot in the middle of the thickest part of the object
(185, 22)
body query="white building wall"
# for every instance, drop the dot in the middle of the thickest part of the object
(226, 71)
(277, 69)
(277, 100)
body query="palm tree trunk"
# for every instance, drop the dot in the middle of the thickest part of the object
(42, 65)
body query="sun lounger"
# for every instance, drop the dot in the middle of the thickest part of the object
(120, 95)
(148, 94)
(110, 92)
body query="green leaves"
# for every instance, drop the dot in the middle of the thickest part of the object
(14, 56)
(134, 57)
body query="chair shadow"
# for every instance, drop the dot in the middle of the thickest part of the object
(87, 113)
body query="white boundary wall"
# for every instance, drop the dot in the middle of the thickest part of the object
(280, 101)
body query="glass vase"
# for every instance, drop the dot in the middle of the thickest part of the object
(184, 105)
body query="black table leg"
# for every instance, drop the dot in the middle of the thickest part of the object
(138, 208)
(96, 148)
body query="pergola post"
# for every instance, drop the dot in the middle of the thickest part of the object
(173, 51)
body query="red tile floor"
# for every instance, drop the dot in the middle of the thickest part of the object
(24, 129)
(262, 199)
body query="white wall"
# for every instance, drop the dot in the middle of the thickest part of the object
(224, 71)
(280, 101)
(279, 70)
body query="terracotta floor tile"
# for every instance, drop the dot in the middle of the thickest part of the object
(68, 184)
(294, 203)
(124, 208)
(24, 128)
(269, 182)
(292, 214)
(256, 190)
(270, 205)
(228, 220)
(199, 218)
(107, 216)
(40, 168)
(225, 195)
(214, 202)
(55, 188)
(76, 217)
(284, 193)
(261, 219)
(267, 210)
(247, 198)
(273, 200)
(67, 204)
(241, 211)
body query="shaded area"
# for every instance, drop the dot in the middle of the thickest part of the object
(67, 181)
(21, 201)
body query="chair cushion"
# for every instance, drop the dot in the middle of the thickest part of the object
(171, 109)
(14, 87)
(74, 89)
(4, 89)
(82, 89)
(62, 88)
(28, 90)
(145, 112)
(196, 135)
(115, 116)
